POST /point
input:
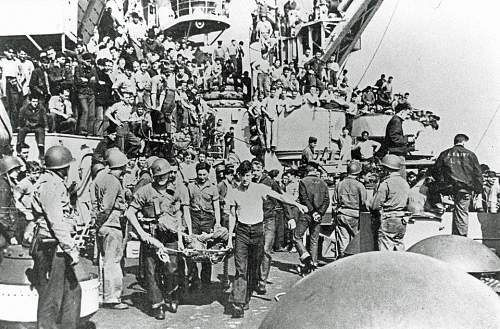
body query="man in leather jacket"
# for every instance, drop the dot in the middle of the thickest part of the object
(457, 173)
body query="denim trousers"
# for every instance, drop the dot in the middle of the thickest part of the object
(305, 222)
(203, 222)
(87, 113)
(460, 223)
(248, 250)
(162, 279)
(265, 266)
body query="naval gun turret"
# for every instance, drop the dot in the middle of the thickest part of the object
(18, 297)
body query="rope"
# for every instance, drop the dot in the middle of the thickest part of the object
(380, 42)
(487, 128)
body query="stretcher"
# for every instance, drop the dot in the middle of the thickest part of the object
(212, 256)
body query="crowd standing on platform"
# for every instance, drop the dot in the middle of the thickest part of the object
(130, 85)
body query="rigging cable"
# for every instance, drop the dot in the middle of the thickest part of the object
(487, 128)
(380, 42)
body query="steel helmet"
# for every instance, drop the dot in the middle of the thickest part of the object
(392, 161)
(354, 168)
(160, 167)
(58, 157)
(395, 290)
(464, 253)
(256, 150)
(151, 160)
(116, 159)
(8, 162)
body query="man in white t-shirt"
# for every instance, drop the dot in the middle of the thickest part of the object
(246, 205)
(367, 147)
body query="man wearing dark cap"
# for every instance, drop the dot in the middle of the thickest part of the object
(308, 152)
(108, 142)
(313, 192)
(457, 173)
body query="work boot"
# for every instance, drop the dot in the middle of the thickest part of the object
(174, 304)
(238, 311)
(116, 306)
(261, 289)
(159, 313)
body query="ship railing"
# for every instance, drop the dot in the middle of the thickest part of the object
(191, 7)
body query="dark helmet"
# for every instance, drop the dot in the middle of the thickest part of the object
(256, 150)
(8, 162)
(58, 157)
(116, 159)
(392, 161)
(96, 168)
(354, 168)
(395, 290)
(469, 255)
(160, 167)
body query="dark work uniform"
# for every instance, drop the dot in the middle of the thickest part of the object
(103, 99)
(269, 206)
(313, 192)
(458, 173)
(32, 120)
(84, 88)
(396, 142)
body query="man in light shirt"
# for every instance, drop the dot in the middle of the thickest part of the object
(137, 33)
(61, 113)
(11, 68)
(367, 147)
(27, 68)
(246, 204)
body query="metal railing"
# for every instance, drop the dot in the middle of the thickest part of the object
(190, 7)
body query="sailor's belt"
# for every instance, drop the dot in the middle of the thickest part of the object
(148, 224)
